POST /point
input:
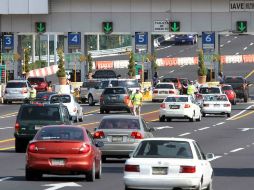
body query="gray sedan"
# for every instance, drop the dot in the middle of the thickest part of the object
(121, 134)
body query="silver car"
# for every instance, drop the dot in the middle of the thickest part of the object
(16, 90)
(121, 134)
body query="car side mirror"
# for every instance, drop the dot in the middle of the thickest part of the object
(99, 144)
(210, 156)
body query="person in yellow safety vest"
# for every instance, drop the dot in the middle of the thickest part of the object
(191, 89)
(137, 102)
(32, 93)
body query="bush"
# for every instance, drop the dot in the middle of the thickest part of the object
(90, 63)
(61, 70)
(131, 66)
(202, 71)
(26, 60)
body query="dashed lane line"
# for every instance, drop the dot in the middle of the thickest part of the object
(5, 178)
(164, 127)
(184, 134)
(245, 48)
(201, 129)
(236, 150)
(220, 123)
(3, 128)
(248, 75)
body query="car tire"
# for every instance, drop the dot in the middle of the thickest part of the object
(127, 188)
(101, 111)
(199, 186)
(162, 119)
(168, 119)
(5, 102)
(193, 118)
(98, 173)
(104, 159)
(81, 119)
(90, 100)
(31, 175)
(203, 114)
(228, 115)
(90, 176)
(200, 117)
(128, 110)
(210, 186)
(19, 146)
(107, 111)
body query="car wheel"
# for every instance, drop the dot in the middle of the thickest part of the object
(101, 111)
(228, 114)
(199, 186)
(200, 118)
(81, 119)
(5, 101)
(19, 146)
(128, 110)
(210, 186)
(162, 119)
(90, 100)
(107, 111)
(126, 188)
(90, 176)
(193, 118)
(98, 173)
(168, 119)
(32, 175)
(203, 114)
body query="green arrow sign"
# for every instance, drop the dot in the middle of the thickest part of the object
(241, 26)
(40, 27)
(107, 27)
(175, 26)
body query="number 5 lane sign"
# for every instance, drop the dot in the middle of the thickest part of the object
(74, 40)
(141, 41)
(208, 40)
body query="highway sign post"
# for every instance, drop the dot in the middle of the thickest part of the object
(74, 40)
(107, 27)
(40, 27)
(141, 42)
(241, 26)
(8, 42)
(161, 26)
(174, 26)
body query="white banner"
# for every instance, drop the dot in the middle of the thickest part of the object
(241, 6)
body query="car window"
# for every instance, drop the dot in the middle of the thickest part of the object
(90, 137)
(61, 133)
(146, 128)
(115, 91)
(120, 124)
(234, 80)
(40, 112)
(128, 83)
(227, 88)
(215, 98)
(163, 149)
(174, 80)
(104, 84)
(200, 150)
(90, 84)
(16, 85)
(60, 98)
(176, 99)
(209, 90)
(167, 86)
(33, 80)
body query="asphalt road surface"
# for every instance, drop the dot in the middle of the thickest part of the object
(230, 139)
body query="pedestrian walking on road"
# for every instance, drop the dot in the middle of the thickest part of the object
(33, 92)
(191, 89)
(137, 102)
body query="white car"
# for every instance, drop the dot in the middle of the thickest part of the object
(180, 107)
(168, 163)
(75, 110)
(216, 104)
(162, 90)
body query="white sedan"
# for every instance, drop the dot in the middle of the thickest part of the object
(75, 110)
(168, 163)
(162, 90)
(180, 107)
(216, 104)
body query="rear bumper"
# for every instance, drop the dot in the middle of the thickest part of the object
(114, 149)
(114, 107)
(16, 97)
(176, 113)
(216, 111)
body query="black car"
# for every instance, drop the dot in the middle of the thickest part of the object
(99, 74)
(240, 86)
(31, 117)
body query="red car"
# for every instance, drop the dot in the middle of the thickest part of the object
(63, 150)
(39, 83)
(229, 91)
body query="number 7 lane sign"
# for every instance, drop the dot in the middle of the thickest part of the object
(74, 40)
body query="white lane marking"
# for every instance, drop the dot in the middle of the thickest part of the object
(88, 115)
(241, 112)
(5, 178)
(182, 66)
(61, 185)
(222, 45)
(251, 44)
(164, 47)
(245, 129)
(163, 127)
(201, 129)
(2, 117)
(225, 153)
(237, 53)
(2, 128)
(229, 41)
(235, 37)
(181, 51)
(172, 71)
(227, 35)
(245, 48)
(236, 150)
(184, 134)
(220, 123)
(161, 77)
(214, 158)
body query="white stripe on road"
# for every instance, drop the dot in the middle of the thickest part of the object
(201, 129)
(2, 128)
(251, 44)
(240, 113)
(245, 48)
(237, 53)
(229, 41)
(222, 45)
(5, 178)
(236, 150)
(184, 134)
(164, 127)
(172, 71)
(214, 158)
(220, 123)
(164, 47)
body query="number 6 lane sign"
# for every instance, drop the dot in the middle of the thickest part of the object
(74, 40)
(208, 40)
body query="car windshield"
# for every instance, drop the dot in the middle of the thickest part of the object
(115, 91)
(234, 80)
(163, 149)
(215, 98)
(227, 88)
(209, 90)
(40, 113)
(16, 85)
(32, 80)
(60, 98)
(176, 99)
(174, 80)
(61, 133)
(119, 123)
(125, 83)
(167, 86)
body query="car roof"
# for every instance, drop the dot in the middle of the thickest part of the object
(166, 83)
(168, 139)
(121, 117)
(73, 126)
(176, 95)
(214, 95)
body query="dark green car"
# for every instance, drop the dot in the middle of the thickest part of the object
(32, 117)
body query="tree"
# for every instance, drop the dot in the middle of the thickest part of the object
(201, 64)
(131, 66)
(90, 63)
(153, 59)
(26, 60)
(61, 70)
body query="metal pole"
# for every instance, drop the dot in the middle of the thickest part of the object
(55, 49)
(48, 52)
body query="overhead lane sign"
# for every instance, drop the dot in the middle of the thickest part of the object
(241, 26)
(174, 26)
(241, 6)
(161, 26)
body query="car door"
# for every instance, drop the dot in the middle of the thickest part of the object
(99, 89)
(204, 164)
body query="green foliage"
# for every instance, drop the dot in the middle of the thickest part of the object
(26, 60)
(38, 64)
(153, 59)
(131, 66)
(61, 70)
(90, 63)
(202, 71)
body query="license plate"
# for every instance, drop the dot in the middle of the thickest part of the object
(163, 92)
(58, 162)
(216, 105)
(183, 40)
(174, 107)
(117, 139)
(113, 98)
(37, 127)
(160, 170)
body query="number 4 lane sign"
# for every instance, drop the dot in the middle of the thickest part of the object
(74, 40)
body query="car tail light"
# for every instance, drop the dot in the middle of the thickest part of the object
(227, 105)
(99, 135)
(199, 96)
(171, 92)
(32, 148)
(45, 97)
(187, 169)
(136, 135)
(187, 106)
(205, 105)
(126, 99)
(155, 91)
(163, 105)
(17, 126)
(24, 91)
(39, 104)
(131, 168)
(85, 148)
